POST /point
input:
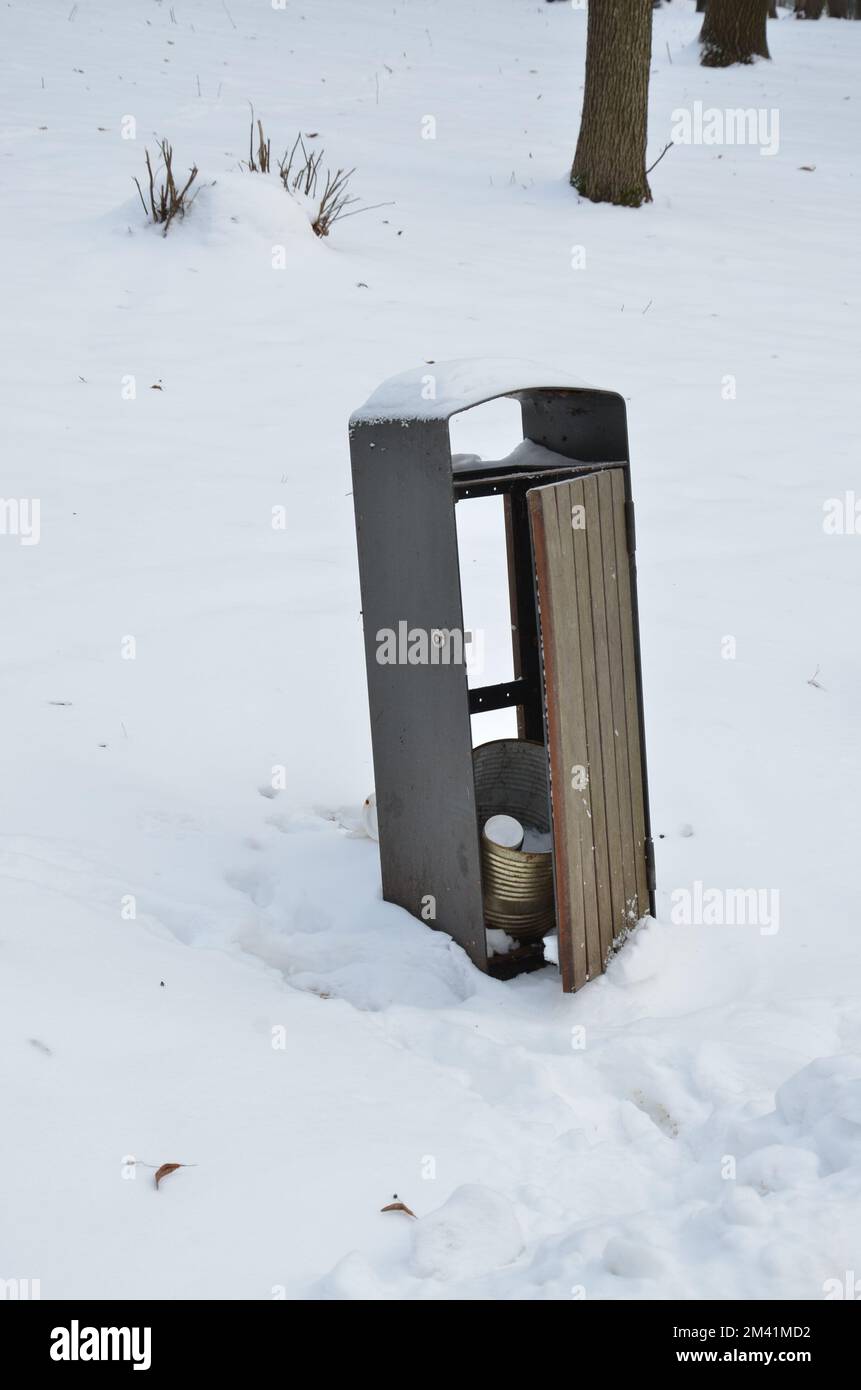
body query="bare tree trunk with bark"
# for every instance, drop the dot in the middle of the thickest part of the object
(733, 32)
(838, 9)
(610, 161)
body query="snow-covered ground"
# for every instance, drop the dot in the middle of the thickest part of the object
(263, 1015)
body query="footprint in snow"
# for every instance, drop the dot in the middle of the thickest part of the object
(628, 1259)
(254, 885)
(657, 1113)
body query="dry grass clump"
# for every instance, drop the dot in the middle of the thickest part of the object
(302, 175)
(301, 171)
(257, 162)
(168, 200)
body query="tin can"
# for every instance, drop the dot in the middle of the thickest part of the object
(517, 884)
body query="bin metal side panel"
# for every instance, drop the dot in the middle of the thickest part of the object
(420, 723)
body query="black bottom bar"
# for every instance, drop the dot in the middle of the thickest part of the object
(223, 1338)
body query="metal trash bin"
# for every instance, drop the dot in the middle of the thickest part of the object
(577, 688)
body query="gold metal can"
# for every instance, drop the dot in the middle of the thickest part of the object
(517, 884)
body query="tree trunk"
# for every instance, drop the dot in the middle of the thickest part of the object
(838, 9)
(701, 6)
(610, 161)
(733, 32)
(809, 9)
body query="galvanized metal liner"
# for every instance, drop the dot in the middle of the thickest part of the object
(511, 779)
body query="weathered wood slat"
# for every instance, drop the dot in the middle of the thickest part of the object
(561, 664)
(575, 725)
(601, 929)
(574, 866)
(608, 850)
(617, 711)
(638, 898)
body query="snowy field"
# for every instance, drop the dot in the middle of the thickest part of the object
(196, 970)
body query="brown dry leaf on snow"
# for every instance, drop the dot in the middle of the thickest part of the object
(400, 1206)
(166, 1168)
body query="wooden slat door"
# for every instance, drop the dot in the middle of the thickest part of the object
(597, 768)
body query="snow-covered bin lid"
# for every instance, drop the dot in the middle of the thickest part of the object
(437, 390)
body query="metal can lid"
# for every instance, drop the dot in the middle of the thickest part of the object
(504, 831)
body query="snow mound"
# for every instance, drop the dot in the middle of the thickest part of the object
(352, 1278)
(318, 919)
(779, 1167)
(647, 952)
(474, 1232)
(823, 1102)
(241, 207)
(229, 210)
